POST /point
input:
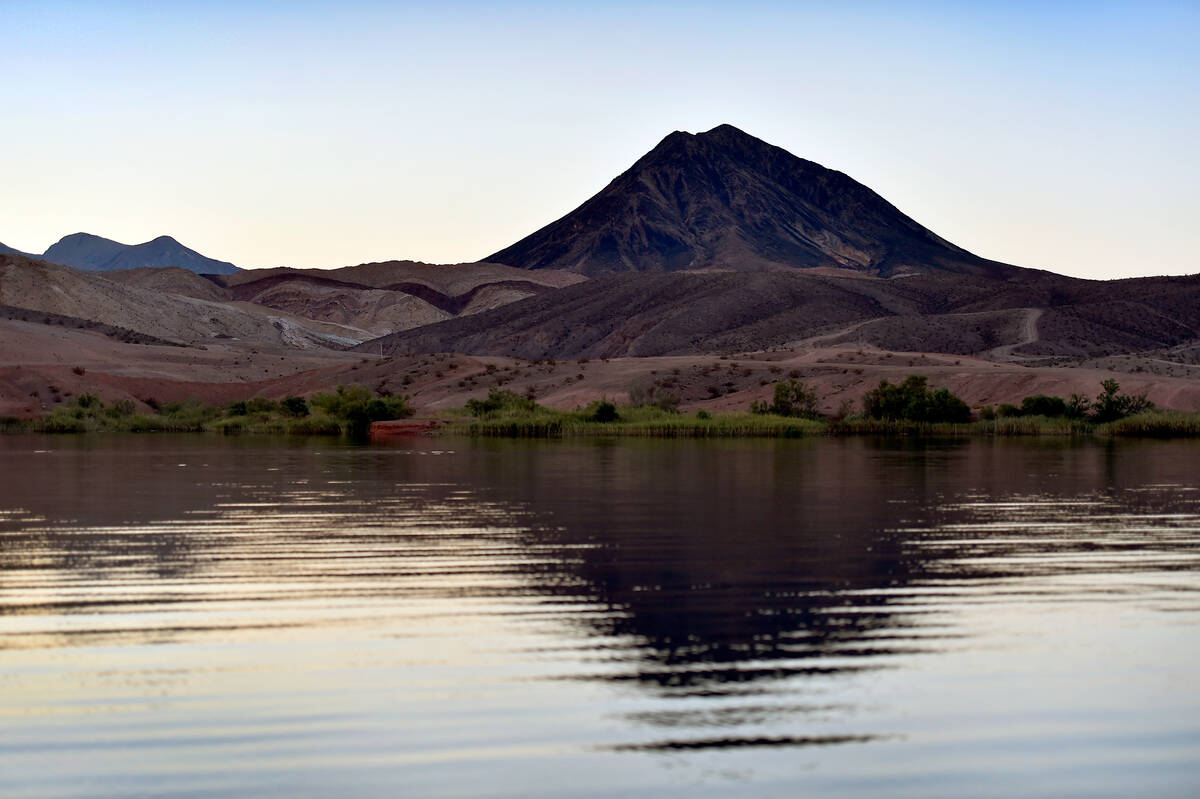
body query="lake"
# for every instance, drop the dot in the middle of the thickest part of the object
(193, 616)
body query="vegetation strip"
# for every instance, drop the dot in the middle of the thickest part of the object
(910, 408)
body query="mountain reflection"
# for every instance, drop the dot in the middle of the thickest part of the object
(727, 565)
(694, 568)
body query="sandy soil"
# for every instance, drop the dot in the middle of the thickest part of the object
(43, 365)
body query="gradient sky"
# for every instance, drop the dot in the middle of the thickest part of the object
(1063, 136)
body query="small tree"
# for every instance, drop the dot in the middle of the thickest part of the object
(294, 406)
(643, 394)
(1111, 405)
(792, 398)
(913, 401)
(602, 411)
(501, 401)
(1078, 407)
(1042, 405)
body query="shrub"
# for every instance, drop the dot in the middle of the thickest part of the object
(261, 405)
(294, 406)
(1110, 405)
(501, 401)
(913, 401)
(792, 398)
(121, 408)
(1078, 407)
(602, 411)
(317, 424)
(357, 408)
(649, 395)
(1042, 405)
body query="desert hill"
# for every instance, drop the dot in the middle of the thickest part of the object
(60, 290)
(98, 254)
(726, 200)
(303, 308)
(1037, 316)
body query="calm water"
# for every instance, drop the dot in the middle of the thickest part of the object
(198, 616)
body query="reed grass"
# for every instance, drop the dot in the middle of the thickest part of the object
(1155, 424)
(638, 422)
(656, 423)
(1033, 426)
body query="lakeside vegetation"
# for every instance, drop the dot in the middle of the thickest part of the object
(349, 410)
(909, 408)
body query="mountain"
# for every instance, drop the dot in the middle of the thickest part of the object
(166, 251)
(6, 250)
(83, 251)
(96, 254)
(727, 200)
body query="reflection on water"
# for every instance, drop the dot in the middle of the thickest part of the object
(194, 616)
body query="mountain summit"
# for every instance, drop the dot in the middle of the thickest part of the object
(727, 200)
(97, 254)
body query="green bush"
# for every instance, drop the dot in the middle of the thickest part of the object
(261, 405)
(1110, 405)
(643, 394)
(913, 401)
(120, 409)
(294, 406)
(602, 411)
(317, 424)
(792, 398)
(357, 407)
(1042, 405)
(501, 401)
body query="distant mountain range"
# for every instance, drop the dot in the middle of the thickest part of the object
(714, 242)
(98, 254)
(725, 200)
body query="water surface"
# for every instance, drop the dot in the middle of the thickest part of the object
(198, 616)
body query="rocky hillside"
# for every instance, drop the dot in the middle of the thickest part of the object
(1038, 317)
(60, 290)
(726, 200)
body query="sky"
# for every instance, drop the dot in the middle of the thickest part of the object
(1061, 136)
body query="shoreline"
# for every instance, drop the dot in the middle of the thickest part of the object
(568, 425)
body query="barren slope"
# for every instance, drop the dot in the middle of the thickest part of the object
(724, 199)
(42, 286)
(687, 313)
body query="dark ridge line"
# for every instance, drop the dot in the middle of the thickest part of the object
(455, 303)
(245, 291)
(450, 303)
(122, 334)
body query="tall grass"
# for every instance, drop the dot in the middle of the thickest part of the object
(1033, 426)
(1155, 424)
(645, 422)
